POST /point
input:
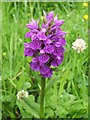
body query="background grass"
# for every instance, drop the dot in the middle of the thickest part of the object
(67, 98)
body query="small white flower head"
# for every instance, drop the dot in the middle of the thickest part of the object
(22, 94)
(79, 45)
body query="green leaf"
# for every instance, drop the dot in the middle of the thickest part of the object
(49, 113)
(31, 102)
(11, 114)
(63, 80)
(51, 83)
(23, 113)
(30, 106)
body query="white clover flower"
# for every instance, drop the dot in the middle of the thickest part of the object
(79, 45)
(22, 94)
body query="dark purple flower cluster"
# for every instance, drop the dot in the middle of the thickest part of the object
(46, 44)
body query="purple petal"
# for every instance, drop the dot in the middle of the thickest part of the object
(58, 51)
(35, 60)
(42, 51)
(27, 50)
(44, 69)
(43, 30)
(57, 61)
(54, 36)
(35, 65)
(35, 31)
(61, 33)
(57, 44)
(54, 63)
(60, 42)
(33, 36)
(28, 35)
(32, 25)
(48, 41)
(47, 24)
(48, 75)
(35, 44)
(50, 15)
(43, 58)
(49, 49)
(58, 22)
(41, 35)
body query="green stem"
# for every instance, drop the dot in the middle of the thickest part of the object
(42, 95)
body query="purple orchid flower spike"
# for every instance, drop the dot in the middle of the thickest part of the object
(46, 44)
